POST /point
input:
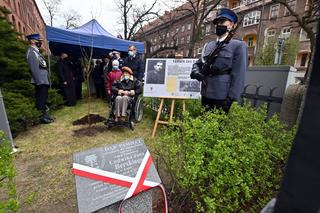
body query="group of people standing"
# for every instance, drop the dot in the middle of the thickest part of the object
(70, 74)
(109, 68)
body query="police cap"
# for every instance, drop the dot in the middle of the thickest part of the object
(35, 36)
(225, 13)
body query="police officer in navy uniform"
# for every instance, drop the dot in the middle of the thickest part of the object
(226, 82)
(39, 76)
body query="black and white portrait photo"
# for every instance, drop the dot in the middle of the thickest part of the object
(156, 71)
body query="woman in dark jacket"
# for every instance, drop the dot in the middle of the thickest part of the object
(125, 89)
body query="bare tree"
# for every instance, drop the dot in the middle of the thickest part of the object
(52, 8)
(307, 19)
(200, 10)
(72, 19)
(132, 17)
(167, 35)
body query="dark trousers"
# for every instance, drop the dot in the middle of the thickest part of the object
(78, 88)
(41, 96)
(214, 103)
(69, 95)
(100, 90)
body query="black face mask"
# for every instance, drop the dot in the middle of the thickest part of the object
(38, 44)
(221, 29)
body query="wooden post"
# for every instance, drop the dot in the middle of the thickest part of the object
(158, 121)
(158, 117)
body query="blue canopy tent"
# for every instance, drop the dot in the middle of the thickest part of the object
(79, 41)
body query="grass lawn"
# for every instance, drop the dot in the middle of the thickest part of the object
(44, 179)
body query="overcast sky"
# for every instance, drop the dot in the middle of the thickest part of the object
(104, 11)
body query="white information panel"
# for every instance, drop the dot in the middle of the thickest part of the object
(170, 78)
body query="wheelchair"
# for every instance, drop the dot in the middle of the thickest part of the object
(134, 113)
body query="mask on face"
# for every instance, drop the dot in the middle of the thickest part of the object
(131, 53)
(126, 77)
(221, 30)
(115, 67)
(38, 44)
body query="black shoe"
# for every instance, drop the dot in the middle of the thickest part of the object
(44, 120)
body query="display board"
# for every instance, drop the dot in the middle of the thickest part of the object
(170, 78)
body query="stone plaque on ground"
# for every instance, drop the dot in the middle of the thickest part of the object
(106, 176)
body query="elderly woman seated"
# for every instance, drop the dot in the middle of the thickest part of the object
(125, 89)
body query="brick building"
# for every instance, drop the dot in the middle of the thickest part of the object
(25, 17)
(263, 19)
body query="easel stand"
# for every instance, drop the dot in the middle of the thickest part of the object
(158, 121)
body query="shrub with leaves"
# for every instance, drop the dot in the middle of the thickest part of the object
(8, 198)
(20, 111)
(228, 163)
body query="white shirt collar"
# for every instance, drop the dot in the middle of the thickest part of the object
(222, 38)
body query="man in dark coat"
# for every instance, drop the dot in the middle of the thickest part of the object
(125, 89)
(225, 82)
(66, 80)
(98, 79)
(39, 76)
(135, 62)
(78, 76)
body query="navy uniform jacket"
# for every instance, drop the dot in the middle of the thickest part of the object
(37, 66)
(232, 58)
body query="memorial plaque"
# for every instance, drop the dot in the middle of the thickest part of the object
(107, 175)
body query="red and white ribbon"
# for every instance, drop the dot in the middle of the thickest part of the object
(136, 185)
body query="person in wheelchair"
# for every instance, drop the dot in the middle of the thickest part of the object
(124, 91)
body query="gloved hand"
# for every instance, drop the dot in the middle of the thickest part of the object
(197, 75)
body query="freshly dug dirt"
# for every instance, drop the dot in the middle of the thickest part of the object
(89, 131)
(94, 118)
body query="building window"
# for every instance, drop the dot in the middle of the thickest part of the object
(182, 40)
(252, 18)
(171, 44)
(251, 41)
(168, 35)
(285, 32)
(189, 27)
(177, 29)
(303, 35)
(13, 21)
(163, 45)
(271, 33)
(164, 36)
(188, 38)
(177, 41)
(249, 1)
(304, 58)
(208, 28)
(274, 11)
(292, 5)
(235, 4)
(182, 28)
(199, 51)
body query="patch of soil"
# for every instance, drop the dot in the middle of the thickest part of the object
(94, 118)
(89, 131)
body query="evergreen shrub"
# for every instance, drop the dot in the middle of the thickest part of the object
(8, 198)
(228, 163)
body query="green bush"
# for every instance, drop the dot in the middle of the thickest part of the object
(20, 111)
(8, 198)
(228, 163)
(55, 100)
(23, 87)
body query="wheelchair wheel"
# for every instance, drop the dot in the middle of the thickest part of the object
(138, 110)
